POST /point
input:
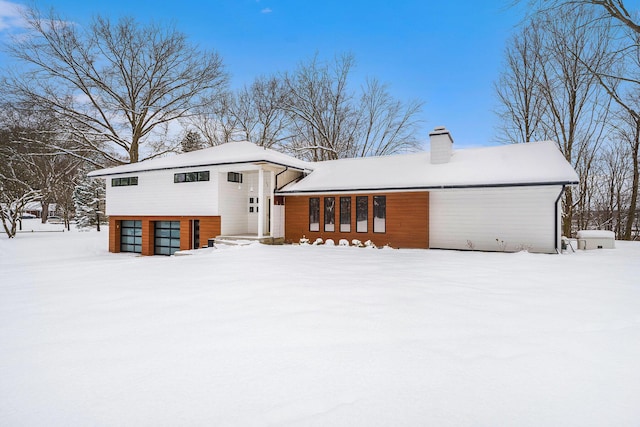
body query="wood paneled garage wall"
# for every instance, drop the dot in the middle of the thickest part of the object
(407, 219)
(209, 228)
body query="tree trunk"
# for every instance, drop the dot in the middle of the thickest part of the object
(634, 193)
(567, 218)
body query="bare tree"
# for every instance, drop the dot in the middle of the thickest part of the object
(329, 120)
(116, 85)
(518, 89)
(612, 21)
(31, 135)
(216, 122)
(259, 111)
(314, 113)
(388, 125)
(15, 177)
(567, 103)
(321, 107)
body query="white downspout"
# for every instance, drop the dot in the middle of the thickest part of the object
(260, 203)
(272, 194)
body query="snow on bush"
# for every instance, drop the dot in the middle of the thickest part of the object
(318, 241)
(329, 242)
(343, 242)
(369, 244)
(357, 243)
(304, 241)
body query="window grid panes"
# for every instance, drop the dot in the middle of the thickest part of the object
(329, 214)
(234, 177)
(131, 236)
(345, 214)
(379, 214)
(167, 237)
(362, 213)
(191, 176)
(314, 214)
(122, 182)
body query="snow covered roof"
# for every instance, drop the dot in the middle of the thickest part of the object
(515, 164)
(230, 153)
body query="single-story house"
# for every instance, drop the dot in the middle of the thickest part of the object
(503, 198)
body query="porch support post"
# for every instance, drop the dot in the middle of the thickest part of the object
(260, 203)
(271, 197)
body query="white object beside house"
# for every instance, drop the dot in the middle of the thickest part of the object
(504, 198)
(596, 239)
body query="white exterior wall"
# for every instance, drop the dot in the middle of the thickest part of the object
(521, 217)
(234, 210)
(157, 194)
(278, 221)
(234, 205)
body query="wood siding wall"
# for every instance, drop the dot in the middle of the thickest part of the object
(209, 228)
(407, 222)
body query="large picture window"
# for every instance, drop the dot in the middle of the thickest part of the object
(345, 214)
(191, 176)
(122, 182)
(329, 214)
(362, 213)
(314, 214)
(379, 214)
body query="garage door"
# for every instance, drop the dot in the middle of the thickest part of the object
(131, 236)
(167, 237)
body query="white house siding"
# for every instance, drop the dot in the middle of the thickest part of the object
(518, 217)
(234, 209)
(278, 223)
(157, 194)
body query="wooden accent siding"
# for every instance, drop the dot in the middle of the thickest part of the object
(407, 222)
(209, 228)
(114, 235)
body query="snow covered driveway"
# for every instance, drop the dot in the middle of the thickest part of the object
(291, 335)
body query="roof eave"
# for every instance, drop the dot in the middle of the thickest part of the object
(423, 188)
(97, 174)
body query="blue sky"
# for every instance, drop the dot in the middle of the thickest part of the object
(445, 53)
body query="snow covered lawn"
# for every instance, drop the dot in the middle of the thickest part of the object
(303, 335)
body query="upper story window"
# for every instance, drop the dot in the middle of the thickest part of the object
(121, 182)
(191, 176)
(234, 177)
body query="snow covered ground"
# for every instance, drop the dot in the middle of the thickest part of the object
(305, 335)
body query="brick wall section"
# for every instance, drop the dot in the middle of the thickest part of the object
(209, 228)
(407, 224)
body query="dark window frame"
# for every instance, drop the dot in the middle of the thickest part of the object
(234, 177)
(329, 214)
(380, 208)
(124, 181)
(131, 241)
(199, 176)
(314, 213)
(345, 214)
(173, 237)
(360, 211)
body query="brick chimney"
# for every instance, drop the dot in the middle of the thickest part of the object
(441, 145)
